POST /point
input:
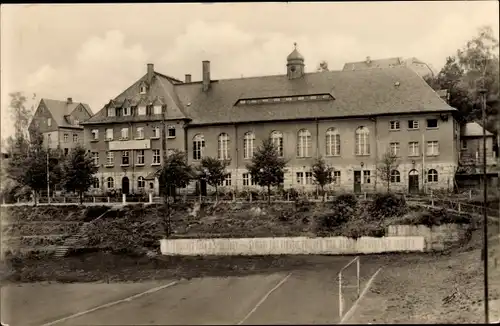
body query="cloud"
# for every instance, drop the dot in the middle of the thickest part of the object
(102, 68)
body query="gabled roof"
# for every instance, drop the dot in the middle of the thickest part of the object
(474, 129)
(379, 63)
(60, 109)
(356, 93)
(162, 86)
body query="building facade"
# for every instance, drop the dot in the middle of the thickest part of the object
(349, 118)
(59, 123)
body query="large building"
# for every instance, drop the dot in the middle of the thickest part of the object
(350, 118)
(59, 122)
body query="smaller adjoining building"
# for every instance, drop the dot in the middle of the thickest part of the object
(59, 123)
(420, 67)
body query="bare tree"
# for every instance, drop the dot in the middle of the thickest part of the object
(386, 166)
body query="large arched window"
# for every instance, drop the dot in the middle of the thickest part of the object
(395, 176)
(332, 142)
(432, 176)
(248, 145)
(362, 141)
(111, 183)
(223, 147)
(141, 183)
(198, 146)
(277, 139)
(304, 143)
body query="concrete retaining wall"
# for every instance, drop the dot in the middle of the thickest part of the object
(288, 246)
(436, 237)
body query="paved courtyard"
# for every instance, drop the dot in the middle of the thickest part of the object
(301, 296)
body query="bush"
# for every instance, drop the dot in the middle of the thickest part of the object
(387, 205)
(434, 218)
(343, 209)
(93, 212)
(346, 199)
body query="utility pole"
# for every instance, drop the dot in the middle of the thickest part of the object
(48, 176)
(164, 158)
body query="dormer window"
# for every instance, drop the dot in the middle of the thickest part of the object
(143, 88)
(126, 111)
(300, 98)
(76, 122)
(111, 112)
(49, 122)
(157, 109)
(243, 102)
(142, 110)
(276, 99)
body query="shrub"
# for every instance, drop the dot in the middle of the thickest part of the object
(435, 218)
(346, 199)
(387, 205)
(93, 212)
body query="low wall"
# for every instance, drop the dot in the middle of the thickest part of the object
(436, 237)
(290, 246)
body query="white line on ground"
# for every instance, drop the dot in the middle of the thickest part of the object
(264, 299)
(354, 306)
(110, 304)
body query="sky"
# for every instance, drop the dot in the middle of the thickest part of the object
(92, 52)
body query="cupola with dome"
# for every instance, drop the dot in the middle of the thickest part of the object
(295, 64)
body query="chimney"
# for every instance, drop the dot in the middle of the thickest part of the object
(151, 70)
(70, 100)
(206, 75)
(187, 78)
(368, 60)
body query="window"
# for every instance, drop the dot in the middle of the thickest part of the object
(395, 176)
(277, 140)
(304, 143)
(125, 157)
(198, 146)
(66, 151)
(95, 184)
(49, 122)
(366, 176)
(309, 178)
(141, 110)
(226, 181)
(126, 111)
(288, 98)
(362, 141)
(140, 157)
(276, 99)
(248, 145)
(171, 131)
(432, 176)
(76, 122)
(95, 158)
(111, 183)
(243, 101)
(413, 148)
(95, 134)
(140, 133)
(66, 138)
(248, 180)
(312, 97)
(49, 139)
(222, 147)
(464, 144)
(336, 177)
(413, 124)
(75, 138)
(300, 98)
(253, 101)
(300, 177)
(141, 183)
(156, 132)
(394, 125)
(432, 148)
(111, 112)
(156, 156)
(394, 148)
(332, 142)
(110, 159)
(109, 134)
(432, 123)
(157, 109)
(143, 89)
(124, 133)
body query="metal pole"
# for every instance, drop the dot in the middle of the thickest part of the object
(358, 272)
(341, 307)
(48, 178)
(485, 215)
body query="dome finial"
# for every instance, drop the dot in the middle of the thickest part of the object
(295, 45)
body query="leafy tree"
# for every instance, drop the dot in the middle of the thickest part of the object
(78, 171)
(213, 171)
(20, 113)
(322, 66)
(267, 168)
(387, 164)
(28, 163)
(175, 173)
(322, 173)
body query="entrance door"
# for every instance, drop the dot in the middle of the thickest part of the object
(203, 187)
(357, 181)
(413, 181)
(125, 185)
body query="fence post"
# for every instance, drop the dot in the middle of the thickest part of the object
(341, 306)
(18, 200)
(358, 273)
(459, 207)
(470, 193)
(432, 199)
(250, 197)
(93, 199)
(287, 196)
(365, 195)
(150, 197)
(124, 198)
(109, 199)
